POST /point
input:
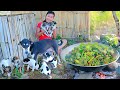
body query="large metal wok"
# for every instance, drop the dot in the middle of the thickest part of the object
(85, 68)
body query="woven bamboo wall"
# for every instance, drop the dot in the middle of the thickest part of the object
(70, 23)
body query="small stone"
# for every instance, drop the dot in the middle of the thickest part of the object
(118, 70)
(68, 66)
(77, 75)
(72, 72)
(114, 65)
(65, 76)
(25, 76)
(86, 75)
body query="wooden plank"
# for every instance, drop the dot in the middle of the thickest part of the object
(59, 24)
(33, 27)
(1, 55)
(18, 40)
(16, 33)
(22, 31)
(20, 12)
(11, 27)
(2, 40)
(69, 20)
(12, 33)
(17, 24)
(77, 24)
(71, 23)
(1, 31)
(23, 26)
(7, 36)
(64, 23)
(30, 32)
(15, 36)
(20, 37)
(4, 31)
(27, 25)
(25, 29)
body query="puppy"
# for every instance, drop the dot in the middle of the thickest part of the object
(47, 57)
(6, 67)
(54, 63)
(31, 63)
(50, 58)
(44, 69)
(17, 63)
(48, 27)
(39, 47)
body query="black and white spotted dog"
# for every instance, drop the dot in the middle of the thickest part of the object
(31, 63)
(47, 63)
(48, 27)
(6, 67)
(49, 58)
(39, 47)
(17, 63)
(44, 69)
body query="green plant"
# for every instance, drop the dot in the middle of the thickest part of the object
(110, 40)
(70, 42)
(100, 18)
(16, 73)
(81, 38)
(58, 37)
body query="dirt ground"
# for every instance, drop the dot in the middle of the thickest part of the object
(61, 72)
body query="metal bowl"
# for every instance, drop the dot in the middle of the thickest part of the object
(85, 68)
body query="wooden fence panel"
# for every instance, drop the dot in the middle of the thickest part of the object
(14, 28)
(6, 35)
(2, 40)
(21, 35)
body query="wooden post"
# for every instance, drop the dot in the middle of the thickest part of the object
(117, 22)
(89, 25)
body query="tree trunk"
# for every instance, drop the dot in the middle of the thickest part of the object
(117, 22)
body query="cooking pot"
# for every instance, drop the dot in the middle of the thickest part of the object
(85, 68)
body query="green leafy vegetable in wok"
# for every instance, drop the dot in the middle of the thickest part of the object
(91, 54)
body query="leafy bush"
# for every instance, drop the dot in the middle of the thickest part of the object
(110, 39)
(16, 73)
(70, 42)
(58, 37)
(99, 18)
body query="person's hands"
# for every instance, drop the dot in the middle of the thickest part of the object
(42, 31)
